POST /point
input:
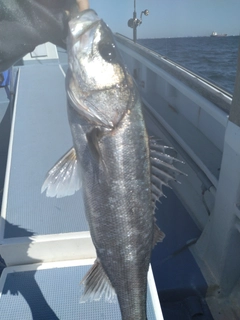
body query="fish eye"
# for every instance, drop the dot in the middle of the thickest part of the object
(107, 51)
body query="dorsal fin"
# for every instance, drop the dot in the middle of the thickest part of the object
(162, 168)
(158, 235)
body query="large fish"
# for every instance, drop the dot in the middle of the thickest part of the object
(111, 157)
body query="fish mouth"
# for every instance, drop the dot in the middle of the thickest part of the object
(79, 27)
(84, 21)
(90, 48)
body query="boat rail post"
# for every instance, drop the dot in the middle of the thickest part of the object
(134, 24)
(234, 114)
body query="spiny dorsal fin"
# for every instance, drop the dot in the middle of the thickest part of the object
(96, 284)
(64, 178)
(158, 235)
(162, 168)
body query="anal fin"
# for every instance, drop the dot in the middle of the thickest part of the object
(97, 284)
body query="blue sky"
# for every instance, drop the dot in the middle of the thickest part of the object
(172, 18)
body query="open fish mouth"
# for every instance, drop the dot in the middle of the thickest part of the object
(83, 22)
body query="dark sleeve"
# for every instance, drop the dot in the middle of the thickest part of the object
(24, 24)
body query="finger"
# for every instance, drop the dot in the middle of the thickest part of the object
(82, 4)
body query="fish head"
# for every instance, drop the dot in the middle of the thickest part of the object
(98, 84)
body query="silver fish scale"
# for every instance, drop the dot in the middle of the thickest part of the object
(118, 205)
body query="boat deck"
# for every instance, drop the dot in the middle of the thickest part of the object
(51, 291)
(45, 242)
(40, 136)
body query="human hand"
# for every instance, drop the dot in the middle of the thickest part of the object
(24, 24)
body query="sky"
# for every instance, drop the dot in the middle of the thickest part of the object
(171, 18)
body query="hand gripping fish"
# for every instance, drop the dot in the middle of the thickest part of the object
(121, 175)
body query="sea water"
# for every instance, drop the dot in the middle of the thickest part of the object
(213, 58)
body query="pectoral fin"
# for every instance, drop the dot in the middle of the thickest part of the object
(64, 178)
(97, 284)
(93, 138)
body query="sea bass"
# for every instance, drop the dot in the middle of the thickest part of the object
(113, 160)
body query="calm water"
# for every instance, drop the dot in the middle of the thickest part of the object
(214, 59)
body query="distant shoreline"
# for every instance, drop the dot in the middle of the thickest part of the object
(183, 37)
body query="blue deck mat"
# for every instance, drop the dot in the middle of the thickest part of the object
(53, 294)
(41, 137)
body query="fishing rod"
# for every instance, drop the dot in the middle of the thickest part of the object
(134, 22)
